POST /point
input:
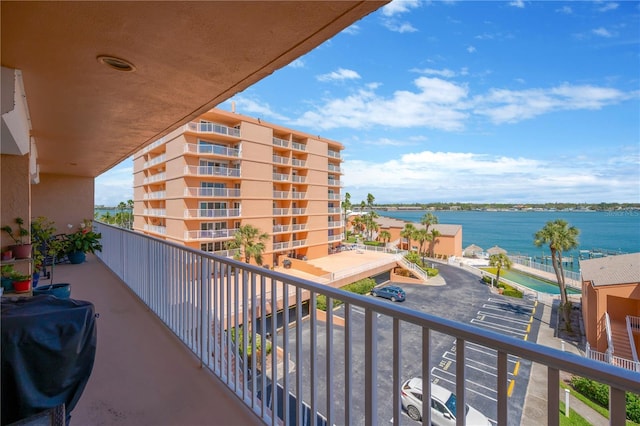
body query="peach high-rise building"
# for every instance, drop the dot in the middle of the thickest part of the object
(224, 170)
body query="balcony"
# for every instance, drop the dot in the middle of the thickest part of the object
(280, 212)
(333, 238)
(298, 163)
(334, 210)
(212, 171)
(280, 194)
(199, 296)
(298, 179)
(211, 149)
(334, 168)
(297, 195)
(299, 227)
(333, 196)
(162, 230)
(298, 211)
(333, 154)
(210, 234)
(280, 177)
(298, 243)
(278, 159)
(199, 192)
(156, 195)
(156, 160)
(280, 228)
(211, 128)
(155, 178)
(333, 182)
(155, 212)
(207, 213)
(280, 246)
(335, 224)
(298, 146)
(281, 142)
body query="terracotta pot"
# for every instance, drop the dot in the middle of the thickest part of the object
(21, 251)
(22, 286)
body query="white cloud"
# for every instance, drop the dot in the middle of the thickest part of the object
(471, 49)
(399, 27)
(447, 73)
(298, 63)
(508, 106)
(340, 75)
(397, 7)
(251, 107)
(352, 29)
(608, 6)
(436, 104)
(115, 185)
(464, 176)
(602, 32)
(565, 9)
(517, 3)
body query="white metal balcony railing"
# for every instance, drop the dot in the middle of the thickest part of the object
(155, 195)
(195, 191)
(334, 210)
(212, 171)
(333, 154)
(298, 211)
(155, 178)
(297, 195)
(633, 326)
(280, 159)
(334, 168)
(298, 179)
(210, 234)
(298, 243)
(280, 194)
(298, 146)
(299, 227)
(155, 212)
(333, 182)
(297, 162)
(155, 228)
(280, 246)
(198, 213)
(280, 212)
(201, 297)
(212, 128)
(153, 145)
(156, 160)
(212, 149)
(335, 224)
(572, 279)
(280, 177)
(281, 142)
(334, 196)
(610, 358)
(333, 238)
(280, 228)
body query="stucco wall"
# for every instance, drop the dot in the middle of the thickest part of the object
(14, 176)
(63, 199)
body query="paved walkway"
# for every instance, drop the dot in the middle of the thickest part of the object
(535, 405)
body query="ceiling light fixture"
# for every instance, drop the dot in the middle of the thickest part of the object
(116, 63)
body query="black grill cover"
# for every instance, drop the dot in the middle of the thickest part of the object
(48, 349)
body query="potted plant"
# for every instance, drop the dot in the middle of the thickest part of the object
(21, 282)
(21, 249)
(6, 281)
(83, 241)
(42, 233)
(55, 248)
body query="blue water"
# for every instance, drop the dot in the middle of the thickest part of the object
(513, 230)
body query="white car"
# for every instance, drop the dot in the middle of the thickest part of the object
(443, 405)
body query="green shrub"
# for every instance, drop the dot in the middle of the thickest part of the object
(374, 243)
(363, 286)
(599, 393)
(240, 332)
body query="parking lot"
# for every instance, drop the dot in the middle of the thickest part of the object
(463, 299)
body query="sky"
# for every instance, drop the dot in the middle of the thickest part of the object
(466, 101)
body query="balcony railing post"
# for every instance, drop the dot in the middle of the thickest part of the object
(426, 374)
(502, 387)
(460, 383)
(370, 368)
(617, 407)
(553, 396)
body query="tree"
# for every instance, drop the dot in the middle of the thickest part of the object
(385, 236)
(370, 200)
(251, 241)
(358, 224)
(432, 238)
(346, 206)
(499, 261)
(429, 219)
(370, 223)
(421, 236)
(560, 237)
(407, 233)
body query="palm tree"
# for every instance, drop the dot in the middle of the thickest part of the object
(385, 236)
(433, 240)
(407, 233)
(421, 236)
(499, 261)
(560, 237)
(251, 241)
(370, 223)
(370, 200)
(358, 224)
(429, 219)
(346, 206)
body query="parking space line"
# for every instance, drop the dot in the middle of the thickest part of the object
(500, 309)
(466, 384)
(505, 329)
(490, 352)
(511, 302)
(506, 318)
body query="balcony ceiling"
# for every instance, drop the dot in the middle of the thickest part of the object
(189, 57)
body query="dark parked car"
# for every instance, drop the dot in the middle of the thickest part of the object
(392, 292)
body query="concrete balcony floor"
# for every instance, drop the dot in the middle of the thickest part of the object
(143, 375)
